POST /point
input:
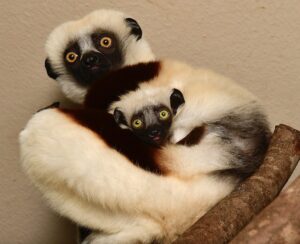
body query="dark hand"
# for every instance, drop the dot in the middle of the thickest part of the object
(53, 105)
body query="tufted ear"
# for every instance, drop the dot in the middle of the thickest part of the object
(120, 119)
(135, 28)
(176, 100)
(51, 73)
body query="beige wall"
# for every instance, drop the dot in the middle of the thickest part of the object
(256, 42)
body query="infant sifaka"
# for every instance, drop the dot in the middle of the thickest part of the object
(151, 120)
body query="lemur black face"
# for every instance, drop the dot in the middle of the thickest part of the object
(152, 124)
(91, 57)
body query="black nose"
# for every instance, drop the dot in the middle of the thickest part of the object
(154, 133)
(91, 59)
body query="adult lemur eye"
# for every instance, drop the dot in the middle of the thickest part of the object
(164, 114)
(71, 57)
(106, 42)
(137, 123)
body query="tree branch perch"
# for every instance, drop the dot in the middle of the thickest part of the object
(224, 221)
(277, 223)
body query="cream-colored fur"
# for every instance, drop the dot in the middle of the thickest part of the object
(208, 96)
(96, 186)
(103, 19)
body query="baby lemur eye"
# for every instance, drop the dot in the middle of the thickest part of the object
(71, 57)
(137, 123)
(164, 114)
(106, 42)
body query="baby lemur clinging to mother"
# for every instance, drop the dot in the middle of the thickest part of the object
(151, 120)
(129, 191)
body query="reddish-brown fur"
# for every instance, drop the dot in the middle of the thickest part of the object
(103, 124)
(94, 115)
(116, 83)
(194, 137)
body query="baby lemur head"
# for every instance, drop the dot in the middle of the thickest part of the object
(148, 113)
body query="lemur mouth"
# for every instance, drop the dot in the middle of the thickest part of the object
(157, 138)
(101, 68)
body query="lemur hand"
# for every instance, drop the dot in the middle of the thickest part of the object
(53, 105)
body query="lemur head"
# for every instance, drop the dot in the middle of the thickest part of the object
(82, 51)
(148, 114)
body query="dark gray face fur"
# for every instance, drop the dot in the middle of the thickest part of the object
(152, 123)
(96, 54)
(90, 57)
(248, 135)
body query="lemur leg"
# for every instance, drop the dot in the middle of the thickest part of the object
(209, 155)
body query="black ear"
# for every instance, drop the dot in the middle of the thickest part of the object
(176, 100)
(120, 118)
(51, 73)
(135, 28)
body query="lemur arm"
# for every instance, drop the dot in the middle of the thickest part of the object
(56, 150)
(73, 166)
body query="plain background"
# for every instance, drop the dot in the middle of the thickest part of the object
(255, 42)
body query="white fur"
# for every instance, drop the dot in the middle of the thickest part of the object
(208, 96)
(94, 185)
(114, 21)
(135, 101)
(87, 181)
(86, 44)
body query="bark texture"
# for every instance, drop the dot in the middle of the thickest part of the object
(279, 223)
(223, 222)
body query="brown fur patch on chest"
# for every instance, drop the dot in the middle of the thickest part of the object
(194, 137)
(116, 83)
(103, 125)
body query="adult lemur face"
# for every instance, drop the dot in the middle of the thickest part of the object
(82, 51)
(91, 56)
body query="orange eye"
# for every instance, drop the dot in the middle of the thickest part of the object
(71, 57)
(106, 42)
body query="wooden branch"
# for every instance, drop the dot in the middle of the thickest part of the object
(223, 222)
(277, 223)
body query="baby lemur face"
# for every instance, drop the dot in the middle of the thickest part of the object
(151, 123)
